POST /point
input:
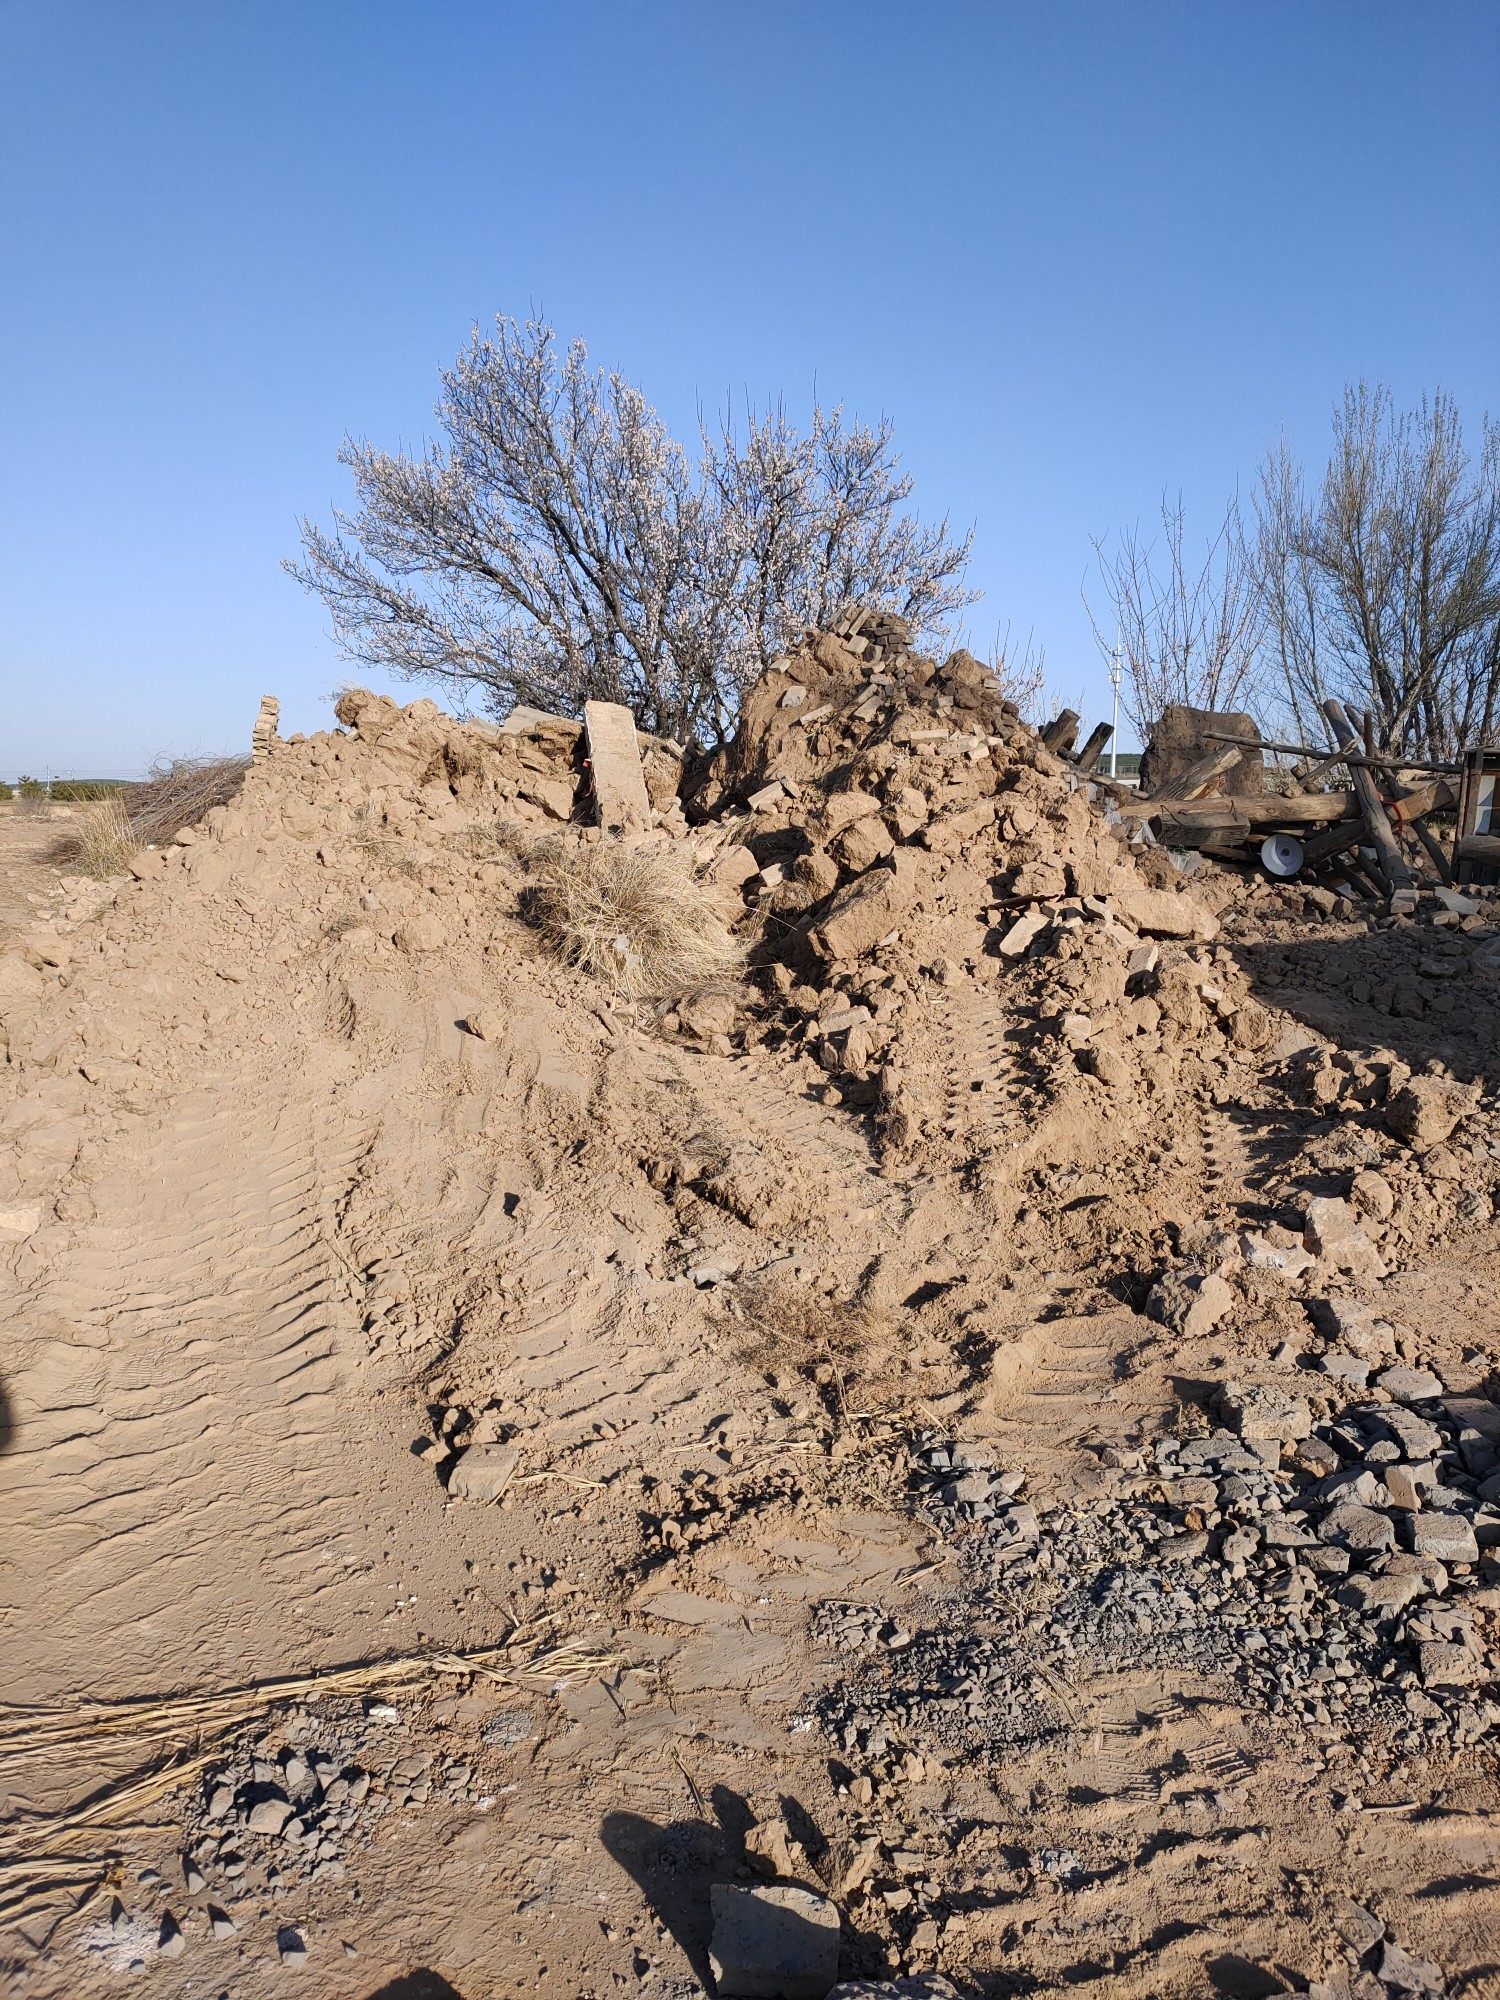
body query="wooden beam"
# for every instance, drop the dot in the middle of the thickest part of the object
(1388, 849)
(1200, 775)
(1062, 732)
(1091, 752)
(1348, 753)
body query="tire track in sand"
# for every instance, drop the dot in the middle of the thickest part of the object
(179, 1486)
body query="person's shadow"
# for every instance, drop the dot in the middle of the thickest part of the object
(421, 1985)
(676, 1866)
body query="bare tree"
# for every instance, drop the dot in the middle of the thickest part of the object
(1188, 634)
(561, 545)
(1382, 588)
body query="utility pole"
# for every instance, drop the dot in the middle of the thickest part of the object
(1114, 680)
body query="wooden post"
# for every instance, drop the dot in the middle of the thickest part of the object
(1062, 732)
(1392, 864)
(1093, 750)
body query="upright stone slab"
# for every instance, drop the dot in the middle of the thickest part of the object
(619, 781)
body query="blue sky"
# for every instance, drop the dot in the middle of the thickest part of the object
(1077, 252)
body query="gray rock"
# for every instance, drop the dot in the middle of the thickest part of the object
(1359, 1529)
(1448, 1537)
(1400, 1970)
(484, 1472)
(1346, 1368)
(773, 1942)
(1409, 1385)
(1266, 1414)
(269, 1816)
(290, 1946)
(170, 1942)
(1416, 1436)
(220, 1922)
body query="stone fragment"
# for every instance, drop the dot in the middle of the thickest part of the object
(1386, 1595)
(1409, 1385)
(483, 1472)
(733, 867)
(170, 1942)
(1424, 1111)
(872, 905)
(290, 1946)
(1331, 1232)
(709, 1012)
(1445, 1663)
(1354, 1325)
(773, 1943)
(1359, 1529)
(1403, 1485)
(1448, 1537)
(1272, 1258)
(269, 1815)
(1143, 959)
(1403, 1973)
(1188, 1304)
(1346, 1368)
(1020, 935)
(615, 761)
(1372, 1196)
(192, 1878)
(486, 1024)
(1265, 1413)
(20, 1221)
(220, 1922)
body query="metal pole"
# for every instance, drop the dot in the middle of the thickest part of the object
(1114, 741)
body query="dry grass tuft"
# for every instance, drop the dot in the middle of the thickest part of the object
(103, 840)
(842, 1348)
(636, 918)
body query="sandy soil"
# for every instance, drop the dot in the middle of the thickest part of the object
(302, 1238)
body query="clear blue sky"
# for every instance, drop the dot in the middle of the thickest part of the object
(1076, 251)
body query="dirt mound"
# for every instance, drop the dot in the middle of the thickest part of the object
(378, 1284)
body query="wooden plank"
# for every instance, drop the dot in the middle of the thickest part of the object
(1392, 862)
(1478, 847)
(615, 760)
(1062, 732)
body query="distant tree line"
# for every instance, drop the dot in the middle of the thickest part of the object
(1377, 583)
(559, 544)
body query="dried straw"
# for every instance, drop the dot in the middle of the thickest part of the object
(637, 918)
(29, 1881)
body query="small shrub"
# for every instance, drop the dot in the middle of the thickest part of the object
(103, 839)
(636, 918)
(31, 796)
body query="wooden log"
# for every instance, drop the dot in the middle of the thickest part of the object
(1338, 840)
(1091, 752)
(1478, 847)
(1350, 751)
(1434, 850)
(1265, 810)
(1062, 732)
(1199, 776)
(1388, 850)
